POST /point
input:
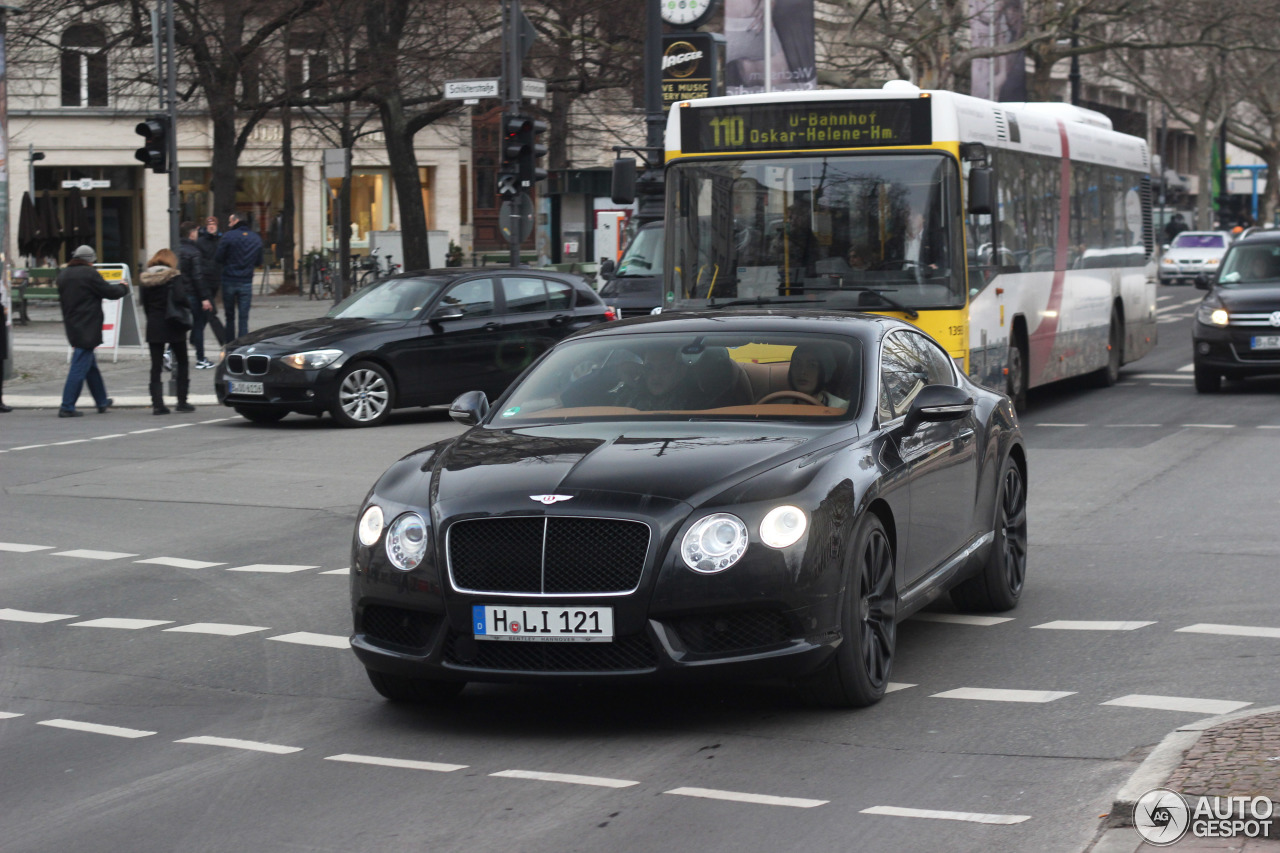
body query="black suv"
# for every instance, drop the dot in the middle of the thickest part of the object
(1237, 328)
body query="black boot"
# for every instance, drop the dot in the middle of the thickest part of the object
(157, 399)
(183, 406)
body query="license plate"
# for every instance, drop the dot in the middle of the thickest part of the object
(543, 624)
(237, 386)
(1266, 342)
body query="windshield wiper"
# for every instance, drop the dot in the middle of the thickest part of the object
(763, 301)
(888, 300)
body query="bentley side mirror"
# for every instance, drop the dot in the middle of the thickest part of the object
(936, 403)
(470, 408)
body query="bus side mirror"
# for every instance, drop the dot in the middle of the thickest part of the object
(624, 180)
(981, 201)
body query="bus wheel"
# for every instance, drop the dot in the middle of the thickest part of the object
(1107, 376)
(1016, 383)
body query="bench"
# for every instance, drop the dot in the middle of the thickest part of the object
(37, 286)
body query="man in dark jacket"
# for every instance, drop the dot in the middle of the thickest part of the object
(191, 265)
(81, 290)
(210, 236)
(239, 252)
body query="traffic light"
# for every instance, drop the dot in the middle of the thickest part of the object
(155, 149)
(521, 150)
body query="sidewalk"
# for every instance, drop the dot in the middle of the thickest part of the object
(1237, 755)
(40, 355)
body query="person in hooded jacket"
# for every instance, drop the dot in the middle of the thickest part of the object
(162, 276)
(81, 289)
(191, 265)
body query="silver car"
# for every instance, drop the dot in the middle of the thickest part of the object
(1192, 253)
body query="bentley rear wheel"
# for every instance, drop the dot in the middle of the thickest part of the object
(858, 673)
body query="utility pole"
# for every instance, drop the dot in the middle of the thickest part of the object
(520, 145)
(171, 97)
(650, 184)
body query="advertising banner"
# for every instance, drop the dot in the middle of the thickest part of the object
(998, 78)
(789, 41)
(690, 67)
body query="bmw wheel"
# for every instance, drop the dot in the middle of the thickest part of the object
(999, 585)
(413, 691)
(858, 673)
(364, 396)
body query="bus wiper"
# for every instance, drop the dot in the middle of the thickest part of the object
(888, 300)
(763, 301)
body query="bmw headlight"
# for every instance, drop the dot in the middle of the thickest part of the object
(715, 543)
(1212, 314)
(370, 526)
(313, 360)
(1167, 260)
(1212, 262)
(407, 541)
(783, 526)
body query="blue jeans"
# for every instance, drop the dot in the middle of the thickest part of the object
(236, 296)
(84, 368)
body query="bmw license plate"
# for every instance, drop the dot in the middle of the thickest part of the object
(237, 386)
(1266, 342)
(543, 624)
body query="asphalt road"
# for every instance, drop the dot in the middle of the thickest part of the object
(231, 717)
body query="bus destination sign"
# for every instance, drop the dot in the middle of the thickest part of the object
(805, 127)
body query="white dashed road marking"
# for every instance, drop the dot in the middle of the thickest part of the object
(232, 743)
(1070, 625)
(85, 554)
(1060, 425)
(1210, 426)
(1229, 630)
(345, 571)
(1187, 368)
(7, 715)
(1178, 703)
(962, 619)
(94, 728)
(126, 624)
(567, 778)
(272, 568)
(219, 628)
(968, 817)
(29, 616)
(113, 435)
(1133, 426)
(396, 762)
(19, 548)
(72, 441)
(1181, 376)
(305, 638)
(739, 797)
(179, 563)
(988, 694)
(895, 686)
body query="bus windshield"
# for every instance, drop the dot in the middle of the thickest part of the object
(861, 231)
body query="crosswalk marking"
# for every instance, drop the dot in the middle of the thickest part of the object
(989, 694)
(1229, 630)
(95, 728)
(345, 571)
(125, 624)
(20, 548)
(567, 778)
(222, 629)
(179, 563)
(962, 619)
(306, 638)
(396, 762)
(28, 616)
(740, 797)
(86, 554)
(273, 568)
(1177, 703)
(232, 743)
(1070, 625)
(895, 686)
(8, 715)
(933, 814)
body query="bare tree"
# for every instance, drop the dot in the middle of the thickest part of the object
(1255, 123)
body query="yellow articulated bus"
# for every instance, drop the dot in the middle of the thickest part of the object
(1017, 235)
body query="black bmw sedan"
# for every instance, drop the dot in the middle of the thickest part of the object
(415, 339)
(734, 494)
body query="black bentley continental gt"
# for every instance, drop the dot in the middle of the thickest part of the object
(743, 494)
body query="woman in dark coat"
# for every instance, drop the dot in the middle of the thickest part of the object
(160, 278)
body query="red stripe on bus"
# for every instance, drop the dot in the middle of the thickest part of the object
(1045, 334)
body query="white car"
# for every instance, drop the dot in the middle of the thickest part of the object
(1192, 253)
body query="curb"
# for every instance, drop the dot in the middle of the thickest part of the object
(1155, 769)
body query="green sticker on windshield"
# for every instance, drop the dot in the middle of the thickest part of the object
(511, 411)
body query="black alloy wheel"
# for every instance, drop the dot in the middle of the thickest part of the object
(858, 673)
(364, 397)
(413, 691)
(999, 585)
(260, 416)
(1016, 384)
(1208, 381)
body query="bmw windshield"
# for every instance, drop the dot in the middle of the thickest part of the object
(837, 230)
(390, 299)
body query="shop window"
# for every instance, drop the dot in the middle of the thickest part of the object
(84, 66)
(370, 204)
(427, 182)
(464, 201)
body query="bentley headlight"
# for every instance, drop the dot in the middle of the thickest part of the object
(407, 541)
(313, 360)
(370, 526)
(715, 543)
(1212, 315)
(783, 526)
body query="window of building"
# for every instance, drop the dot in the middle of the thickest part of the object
(84, 66)
(464, 201)
(307, 66)
(427, 181)
(259, 193)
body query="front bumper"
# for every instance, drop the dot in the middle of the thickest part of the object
(305, 391)
(1229, 350)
